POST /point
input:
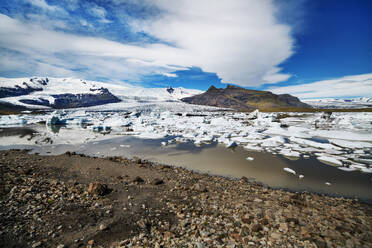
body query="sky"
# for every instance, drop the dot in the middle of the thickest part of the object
(308, 48)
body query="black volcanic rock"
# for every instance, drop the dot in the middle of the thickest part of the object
(95, 96)
(241, 99)
(76, 100)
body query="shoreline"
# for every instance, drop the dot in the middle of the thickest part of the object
(45, 202)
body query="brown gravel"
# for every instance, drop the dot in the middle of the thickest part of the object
(75, 201)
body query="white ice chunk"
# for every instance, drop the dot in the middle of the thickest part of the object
(9, 120)
(250, 158)
(313, 143)
(253, 147)
(289, 170)
(350, 144)
(125, 146)
(301, 176)
(289, 153)
(331, 160)
(347, 169)
(366, 170)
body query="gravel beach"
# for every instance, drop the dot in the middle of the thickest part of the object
(71, 200)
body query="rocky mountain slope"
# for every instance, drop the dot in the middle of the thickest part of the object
(244, 100)
(57, 93)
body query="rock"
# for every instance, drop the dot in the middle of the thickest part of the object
(283, 227)
(144, 224)
(304, 233)
(138, 180)
(61, 246)
(37, 244)
(320, 243)
(157, 181)
(97, 188)
(199, 187)
(103, 227)
(264, 221)
(199, 245)
(256, 228)
(91, 242)
(294, 220)
(275, 235)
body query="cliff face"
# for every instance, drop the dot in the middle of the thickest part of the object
(24, 88)
(244, 100)
(75, 100)
(54, 93)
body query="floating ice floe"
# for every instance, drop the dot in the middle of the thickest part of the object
(331, 160)
(350, 144)
(289, 153)
(347, 169)
(301, 176)
(289, 170)
(250, 158)
(328, 183)
(339, 138)
(12, 120)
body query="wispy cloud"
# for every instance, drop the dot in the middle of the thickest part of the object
(241, 41)
(349, 86)
(98, 12)
(44, 5)
(171, 75)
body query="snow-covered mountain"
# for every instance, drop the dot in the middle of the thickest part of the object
(362, 102)
(39, 92)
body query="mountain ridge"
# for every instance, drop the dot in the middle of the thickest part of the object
(44, 92)
(242, 99)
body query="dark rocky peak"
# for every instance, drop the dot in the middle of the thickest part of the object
(212, 88)
(39, 80)
(170, 89)
(233, 87)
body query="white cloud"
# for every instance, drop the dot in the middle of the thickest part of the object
(349, 86)
(99, 12)
(171, 75)
(239, 40)
(44, 5)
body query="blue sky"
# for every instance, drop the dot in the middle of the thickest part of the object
(283, 46)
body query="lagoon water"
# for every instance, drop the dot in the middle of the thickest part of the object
(210, 158)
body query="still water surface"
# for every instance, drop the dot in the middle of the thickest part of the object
(214, 159)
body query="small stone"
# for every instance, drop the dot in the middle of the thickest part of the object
(200, 245)
(275, 235)
(256, 228)
(103, 227)
(199, 187)
(157, 181)
(138, 180)
(61, 246)
(91, 242)
(294, 220)
(97, 188)
(37, 244)
(304, 233)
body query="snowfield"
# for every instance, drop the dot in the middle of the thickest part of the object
(362, 102)
(46, 88)
(339, 139)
